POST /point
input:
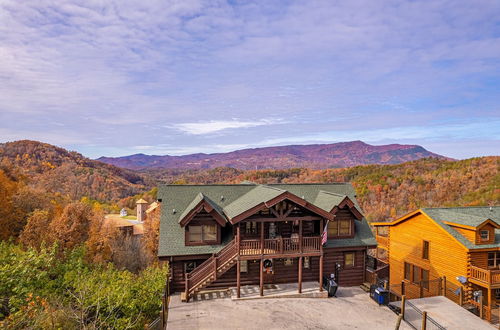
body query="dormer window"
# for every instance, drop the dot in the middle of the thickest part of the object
(484, 234)
(201, 234)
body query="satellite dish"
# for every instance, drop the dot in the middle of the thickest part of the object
(462, 279)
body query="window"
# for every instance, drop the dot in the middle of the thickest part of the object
(251, 228)
(416, 274)
(425, 250)
(333, 228)
(349, 259)
(202, 233)
(306, 262)
(493, 259)
(345, 227)
(339, 228)
(407, 271)
(425, 279)
(189, 266)
(484, 234)
(195, 234)
(243, 266)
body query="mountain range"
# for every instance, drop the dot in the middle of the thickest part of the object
(316, 156)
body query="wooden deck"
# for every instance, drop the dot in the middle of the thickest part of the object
(485, 277)
(281, 246)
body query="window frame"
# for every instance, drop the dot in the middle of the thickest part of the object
(195, 264)
(416, 270)
(204, 232)
(425, 249)
(407, 264)
(487, 235)
(425, 283)
(353, 260)
(335, 226)
(496, 259)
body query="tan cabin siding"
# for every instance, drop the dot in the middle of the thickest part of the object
(467, 233)
(479, 259)
(447, 257)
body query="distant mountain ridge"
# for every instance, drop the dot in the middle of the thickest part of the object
(316, 156)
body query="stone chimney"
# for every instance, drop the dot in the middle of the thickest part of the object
(142, 205)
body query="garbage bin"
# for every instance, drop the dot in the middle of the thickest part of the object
(330, 286)
(381, 296)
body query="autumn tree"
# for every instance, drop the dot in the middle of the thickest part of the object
(71, 228)
(37, 232)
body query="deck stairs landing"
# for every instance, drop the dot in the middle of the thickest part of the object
(211, 269)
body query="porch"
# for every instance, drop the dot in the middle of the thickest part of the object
(485, 277)
(280, 247)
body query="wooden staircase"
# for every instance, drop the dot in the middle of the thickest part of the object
(211, 269)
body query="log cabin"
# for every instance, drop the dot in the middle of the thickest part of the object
(461, 244)
(221, 236)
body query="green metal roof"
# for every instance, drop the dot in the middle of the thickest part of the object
(469, 216)
(233, 199)
(200, 197)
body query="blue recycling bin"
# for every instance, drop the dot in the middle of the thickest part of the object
(381, 296)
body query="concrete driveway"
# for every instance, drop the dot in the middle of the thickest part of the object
(352, 309)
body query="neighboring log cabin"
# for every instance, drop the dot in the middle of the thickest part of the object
(274, 231)
(458, 243)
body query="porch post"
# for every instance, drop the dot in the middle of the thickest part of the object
(261, 284)
(300, 236)
(489, 304)
(321, 228)
(238, 279)
(321, 272)
(300, 274)
(262, 237)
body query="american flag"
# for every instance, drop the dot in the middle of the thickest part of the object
(324, 235)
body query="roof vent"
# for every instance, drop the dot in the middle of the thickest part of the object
(173, 211)
(491, 209)
(303, 197)
(221, 197)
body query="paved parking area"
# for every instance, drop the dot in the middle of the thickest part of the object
(352, 309)
(448, 314)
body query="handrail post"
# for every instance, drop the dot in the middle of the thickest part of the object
(402, 288)
(403, 305)
(215, 267)
(444, 286)
(424, 321)
(461, 298)
(481, 311)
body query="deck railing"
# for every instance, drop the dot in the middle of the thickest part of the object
(486, 276)
(280, 246)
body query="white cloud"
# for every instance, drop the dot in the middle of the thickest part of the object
(213, 126)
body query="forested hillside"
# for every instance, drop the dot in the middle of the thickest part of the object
(384, 191)
(57, 170)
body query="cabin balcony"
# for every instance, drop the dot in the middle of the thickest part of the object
(485, 277)
(281, 247)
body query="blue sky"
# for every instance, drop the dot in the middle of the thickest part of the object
(174, 77)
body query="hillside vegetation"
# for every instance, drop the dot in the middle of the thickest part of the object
(57, 170)
(384, 191)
